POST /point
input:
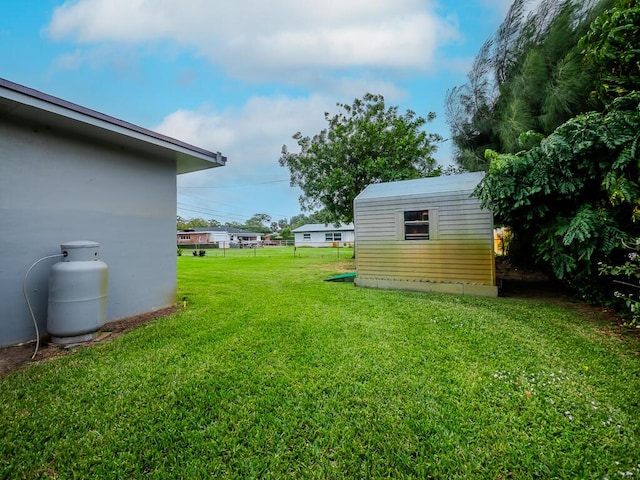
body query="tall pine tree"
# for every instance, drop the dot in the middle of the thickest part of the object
(528, 77)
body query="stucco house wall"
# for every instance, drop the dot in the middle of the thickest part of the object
(67, 174)
(453, 254)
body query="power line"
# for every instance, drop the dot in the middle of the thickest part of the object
(220, 214)
(208, 200)
(217, 202)
(209, 211)
(240, 186)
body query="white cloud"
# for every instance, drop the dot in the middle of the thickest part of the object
(272, 38)
(355, 87)
(251, 137)
(198, 127)
(339, 49)
(122, 61)
(244, 134)
(259, 127)
(69, 61)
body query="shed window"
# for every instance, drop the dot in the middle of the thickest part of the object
(416, 225)
(306, 236)
(185, 237)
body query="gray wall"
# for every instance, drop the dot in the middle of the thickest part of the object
(55, 188)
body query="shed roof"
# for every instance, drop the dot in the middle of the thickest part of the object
(27, 104)
(462, 182)
(322, 227)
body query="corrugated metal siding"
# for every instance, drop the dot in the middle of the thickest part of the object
(461, 252)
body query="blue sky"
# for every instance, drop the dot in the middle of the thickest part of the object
(242, 77)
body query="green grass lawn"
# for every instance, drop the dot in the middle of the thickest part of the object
(270, 372)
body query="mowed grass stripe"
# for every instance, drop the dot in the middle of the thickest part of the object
(270, 372)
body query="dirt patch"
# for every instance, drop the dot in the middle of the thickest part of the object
(19, 356)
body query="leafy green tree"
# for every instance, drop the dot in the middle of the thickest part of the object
(611, 48)
(528, 77)
(198, 222)
(365, 143)
(321, 216)
(286, 234)
(259, 223)
(192, 223)
(238, 225)
(573, 198)
(298, 220)
(551, 83)
(469, 113)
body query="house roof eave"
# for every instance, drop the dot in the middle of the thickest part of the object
(27, 104)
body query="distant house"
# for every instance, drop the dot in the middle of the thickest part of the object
(220, 237)
(427, 234)
(68, 173)
(324, 235)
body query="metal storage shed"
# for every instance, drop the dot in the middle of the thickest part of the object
(427, 234)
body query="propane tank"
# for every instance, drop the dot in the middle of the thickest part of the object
(77, 293)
